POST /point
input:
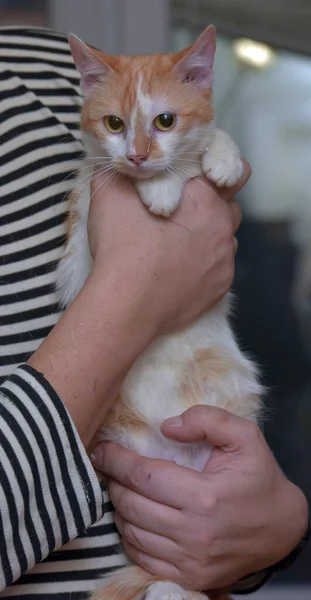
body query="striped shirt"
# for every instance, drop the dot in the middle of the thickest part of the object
(49, 495)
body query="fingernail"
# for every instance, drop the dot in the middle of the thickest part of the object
(174, 422)
(96, 457)
(93, 459)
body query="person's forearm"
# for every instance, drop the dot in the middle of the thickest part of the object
(91, 349)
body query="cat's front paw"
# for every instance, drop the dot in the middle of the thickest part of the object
(162, 196)
(224, 169)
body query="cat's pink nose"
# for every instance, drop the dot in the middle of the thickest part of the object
(137, 159)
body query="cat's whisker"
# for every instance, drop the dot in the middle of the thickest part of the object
(79, 189)
(72, 174)
(80, 186)
(212, 189)
(98, 157)
(111, 179)
(86, 180)
(103, 171)
(77, 171)
(205, 182)
(187, 160)
(175, 171)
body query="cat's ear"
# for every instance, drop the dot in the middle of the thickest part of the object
(91, 67)
(196, 64)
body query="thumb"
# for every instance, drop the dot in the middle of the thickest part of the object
(214, 425)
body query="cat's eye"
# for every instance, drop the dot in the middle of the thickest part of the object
(114, 124)
(165, 121)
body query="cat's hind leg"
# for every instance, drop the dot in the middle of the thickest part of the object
(166, 590)
(133, 583)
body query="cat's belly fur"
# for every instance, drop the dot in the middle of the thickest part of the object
(155, 445)
(201, 365)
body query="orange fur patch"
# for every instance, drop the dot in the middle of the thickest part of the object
(126, 584)
(141, 141)
(207, 366)
(73, 216)
(121, 416)
(213, 364)
(131, 583)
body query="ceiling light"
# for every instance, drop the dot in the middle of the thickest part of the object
(253, 54)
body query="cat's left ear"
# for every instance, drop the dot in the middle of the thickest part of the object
(91, 67)
(196, 64)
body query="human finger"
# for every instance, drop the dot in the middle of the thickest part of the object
(143, 512)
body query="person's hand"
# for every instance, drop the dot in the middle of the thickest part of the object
(205, 530)
(176, 268)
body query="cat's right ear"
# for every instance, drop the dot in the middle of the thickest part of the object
(91, 67)
(196, 63)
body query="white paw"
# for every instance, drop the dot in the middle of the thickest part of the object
(161, 196)
(163, 207)
(224, 168)
(165, 590)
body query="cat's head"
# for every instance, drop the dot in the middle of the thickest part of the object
(146, 113)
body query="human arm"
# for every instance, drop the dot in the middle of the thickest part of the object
(206, 530)
(82, 362)
(150, 275)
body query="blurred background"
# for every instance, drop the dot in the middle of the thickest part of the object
(262, 96)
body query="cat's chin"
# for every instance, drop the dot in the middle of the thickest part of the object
(139, 173)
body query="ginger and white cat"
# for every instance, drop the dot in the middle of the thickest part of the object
(151, 117)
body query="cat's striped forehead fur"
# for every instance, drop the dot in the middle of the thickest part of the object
(137, 89)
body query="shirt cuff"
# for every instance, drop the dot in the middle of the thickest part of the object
(251, 583)
(49, 490)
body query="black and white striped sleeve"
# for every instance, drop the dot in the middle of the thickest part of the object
(49, 493)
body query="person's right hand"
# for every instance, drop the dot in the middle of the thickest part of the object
(205, 530)
(175, 269)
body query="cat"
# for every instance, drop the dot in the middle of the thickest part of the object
(151, 118)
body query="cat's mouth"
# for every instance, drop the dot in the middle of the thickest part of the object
(140, 172)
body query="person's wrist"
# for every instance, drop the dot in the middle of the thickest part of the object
(294, 522)
(291, 539)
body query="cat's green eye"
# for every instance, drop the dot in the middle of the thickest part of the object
(114, 124)
(165, 121)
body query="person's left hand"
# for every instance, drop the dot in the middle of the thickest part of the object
(205, 530)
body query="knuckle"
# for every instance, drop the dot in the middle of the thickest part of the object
(122, 502)
(199, 413)
(130, 534)
(143, 561)
(192, 576)
(253, 432)
(124, 507)
(131, 552)
(113, 493)
(208, 504)
(227, 232)
(204, 541)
